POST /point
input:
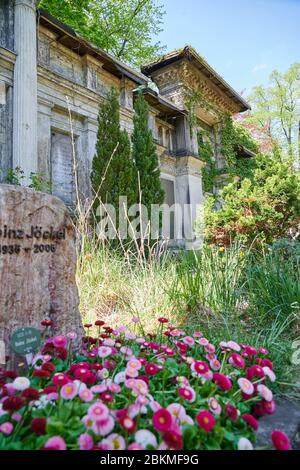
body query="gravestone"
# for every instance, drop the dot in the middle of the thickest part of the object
(37, 263)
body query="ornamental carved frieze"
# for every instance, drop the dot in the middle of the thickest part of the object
(174, 81)
(194, 80)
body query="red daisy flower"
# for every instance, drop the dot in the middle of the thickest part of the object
(231, 412)
(151, 369)
(47, 323)
(13, 403)
(237, 360)
(222, 381)
(41, 373)
(30, 394)
(250, 351)
(48, 366)
(249, 419)
(128, 424)
(10, 374)
(200, 367)
(38, 426)
(269, 407)
(173, 440)
(281, 440)
(206, 420)
(255, 371)
(162, 420)
(60, 379)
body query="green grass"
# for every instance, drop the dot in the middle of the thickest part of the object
(237, 294)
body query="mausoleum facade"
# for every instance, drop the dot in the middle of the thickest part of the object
(49, 73)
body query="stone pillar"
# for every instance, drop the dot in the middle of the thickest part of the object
(25, 89)
(44, 138)
(184, 144)
(89, 140)
(189, 197)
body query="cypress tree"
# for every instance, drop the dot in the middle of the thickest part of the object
(113, 173)
(145, 156)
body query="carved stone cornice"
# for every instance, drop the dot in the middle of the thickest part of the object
(174, 81)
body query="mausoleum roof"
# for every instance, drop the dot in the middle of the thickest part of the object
(68, 37)
(163, 105)
(190, 54)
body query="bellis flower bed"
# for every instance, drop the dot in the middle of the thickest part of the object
(129, 390)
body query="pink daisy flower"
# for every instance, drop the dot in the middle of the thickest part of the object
(98, 411)
(145, 438)
(86, 395)
(210, 348)
(265, 392)
(55, 443)
(133, 373)
(101, 388)
(116, 442)
(60, 341)
(214, 406)
(104, 351)
(125, 350)
(85, 442)
(234, 346)
(135, 446)
(6, 428)
(103, 426)
(68, 391)
(215, 364)
(140, 387)
(246, 386)
(188, 340)
(198, 334)
(269, 373)
(134, 364)
(203, 342)
(177, 411)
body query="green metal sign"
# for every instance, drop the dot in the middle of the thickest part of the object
(25, 341)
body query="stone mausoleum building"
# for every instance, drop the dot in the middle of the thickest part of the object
(45, 67)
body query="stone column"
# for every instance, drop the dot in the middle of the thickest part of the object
(189, 197)
(89, 140)
(25, 89)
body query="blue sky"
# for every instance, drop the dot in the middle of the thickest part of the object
(244, 40)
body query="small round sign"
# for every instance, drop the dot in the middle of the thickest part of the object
(25, 340)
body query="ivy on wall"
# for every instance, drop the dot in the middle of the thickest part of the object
(233, 137)
(206, 154)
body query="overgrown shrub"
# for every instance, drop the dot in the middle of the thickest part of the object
(259, 209)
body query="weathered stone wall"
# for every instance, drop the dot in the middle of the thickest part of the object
(7, 60)
(66, 79)
(7, 24)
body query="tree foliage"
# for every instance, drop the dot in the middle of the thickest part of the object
(276, 109)
(145, 156)
(123, 27)
(113, 173)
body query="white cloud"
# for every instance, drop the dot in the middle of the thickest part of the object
(259, 67)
